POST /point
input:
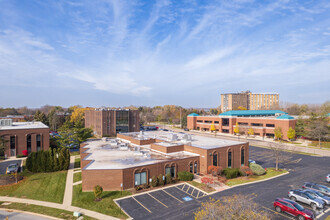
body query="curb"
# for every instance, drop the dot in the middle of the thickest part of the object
(31, 213)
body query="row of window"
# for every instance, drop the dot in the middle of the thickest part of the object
(140, 178)
(216, 162)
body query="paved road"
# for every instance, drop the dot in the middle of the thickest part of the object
(304, 168)
(5, 164)
(20, 216)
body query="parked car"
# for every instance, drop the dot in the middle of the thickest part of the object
(12, 168)
(252, 161)
(293, 208)
(307, 198)
(320, 188)
(319, 195)
(328, 178)
(186, 129)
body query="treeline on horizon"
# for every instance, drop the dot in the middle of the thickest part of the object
(167, 113)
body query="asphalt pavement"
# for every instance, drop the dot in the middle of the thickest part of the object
(20, 216)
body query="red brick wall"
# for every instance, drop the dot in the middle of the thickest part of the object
(167, 149)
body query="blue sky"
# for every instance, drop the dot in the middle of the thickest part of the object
(120, 53)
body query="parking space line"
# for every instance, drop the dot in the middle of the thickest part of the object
(277, 212)
(192, 191)
(186, 192)
(198, 194)
(141, 204)
(187, 189)
(157, 200)
(172, 196)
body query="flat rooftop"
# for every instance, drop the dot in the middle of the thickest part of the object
(24, 125)
(179, 138)
(115, 154)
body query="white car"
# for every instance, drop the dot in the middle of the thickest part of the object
(328, 178)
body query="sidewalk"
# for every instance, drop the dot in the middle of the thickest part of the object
(67, 199)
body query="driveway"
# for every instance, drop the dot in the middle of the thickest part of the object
(302, 168)
(5, 164)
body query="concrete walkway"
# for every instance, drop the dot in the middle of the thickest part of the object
(67, 200)
(57, 206)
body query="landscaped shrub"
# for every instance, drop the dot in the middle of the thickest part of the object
(231, 173)
(222, 179)
(257, 169)
(245, 171)
(215, 170)
(25, 153)
(48, 161)
(98, 192)
(207, 180)
(154, 181)
(145, 186)
(185, 176)
(168, 178)
(160, 180)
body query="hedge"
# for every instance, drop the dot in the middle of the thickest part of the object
(48, 161)
(185, 176)
(231, 173)
(257, 169)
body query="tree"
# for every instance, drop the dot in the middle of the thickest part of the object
(318, 128)
(78, 116)
(207, 180)
(40, 116)
(278, 133)
(213, 129)
(98, 192)
(279, 154)
(3, 146)
(251, 131)
(241, 108)
(301, 127)
(233, 207)
(161, 180)
(291, 133)
(236, 129)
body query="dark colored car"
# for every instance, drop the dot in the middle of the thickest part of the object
(292, 208)
(319, 195)
(12, 168)
(317, 187)
(186, 129)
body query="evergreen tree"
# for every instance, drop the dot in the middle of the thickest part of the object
(55, 160)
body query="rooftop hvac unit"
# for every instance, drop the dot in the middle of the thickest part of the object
(173, 137)
(187, 137)
(6, 122)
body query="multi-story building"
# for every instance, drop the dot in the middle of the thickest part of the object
(248, 100)
(19, 136)
(263, 122)
(109, 122)
(132, 159)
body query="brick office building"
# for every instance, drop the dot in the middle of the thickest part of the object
(263, 122)
(19, 136)
(133, 158)
(109, 122)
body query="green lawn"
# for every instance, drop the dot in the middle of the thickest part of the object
(271, 172)
(39, 186)
(77, 163)
(106, 205)
(76, 177)
(74, 153)
(324, 144)
(201, 186)
(58, 213)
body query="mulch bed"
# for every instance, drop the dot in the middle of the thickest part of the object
(9, 180)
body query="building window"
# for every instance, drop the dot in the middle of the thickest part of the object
(225, 122)
(171, 170)
(200, 121)
(191, 167)
(122, 121)
(229, 159)
(243, 123)
(242, 157)
(216, 122)
(195, 167)
(209, 122)
(140, 178)
(12, 146)
(215, 159)
(257, 124)
(38, 142)
(270, 125)
(28, 143)
(225, 131)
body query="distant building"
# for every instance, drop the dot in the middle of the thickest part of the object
(263, 122)
(18, 118)
(248, 100)
(19, 136)
(109, 122)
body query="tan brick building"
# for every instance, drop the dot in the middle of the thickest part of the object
(134, 158)
(263, 122)
(107, 122)
(248, 100)
(19, 136)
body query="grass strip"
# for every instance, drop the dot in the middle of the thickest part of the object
(76, 177)
(77, 163)
(201, 186)
(106, 206)
(271, 172)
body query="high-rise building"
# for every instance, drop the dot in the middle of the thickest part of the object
(109, 122)
(248, 100)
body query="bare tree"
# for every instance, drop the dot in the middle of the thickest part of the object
(318, 129)
(233, 207)
(279, 153)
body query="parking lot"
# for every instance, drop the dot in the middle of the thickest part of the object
(160, 201)
(5, 164)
